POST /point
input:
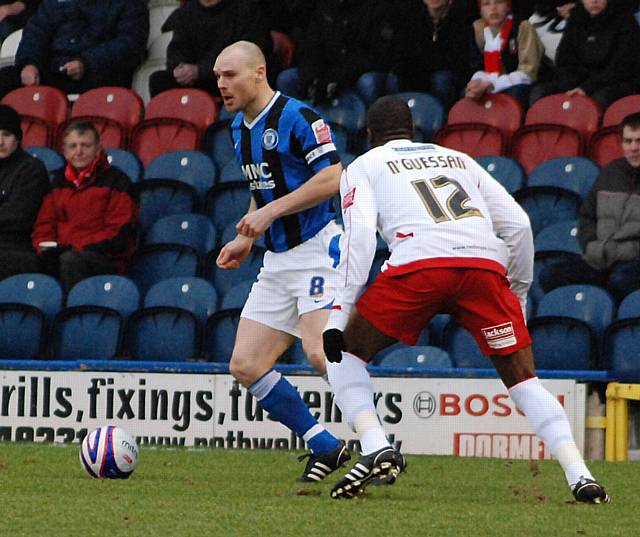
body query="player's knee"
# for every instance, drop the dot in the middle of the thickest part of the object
(315, 355)
(241, 369)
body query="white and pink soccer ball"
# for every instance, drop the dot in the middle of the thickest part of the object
(109, 452)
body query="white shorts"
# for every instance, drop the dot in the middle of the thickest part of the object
(296, 282)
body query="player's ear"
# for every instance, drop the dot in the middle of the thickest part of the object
(261, 73)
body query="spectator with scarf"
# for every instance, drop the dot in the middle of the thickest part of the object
(508, 53)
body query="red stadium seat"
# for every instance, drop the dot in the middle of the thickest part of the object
(534, 144)
(284, 48)
(498, 110)
(43, 109)
(617, 110)
(474, 139)
(185, 104)
(154, 137)
(115, 111)
(605, 145)
(578, 112)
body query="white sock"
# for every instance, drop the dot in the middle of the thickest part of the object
(550, 423)
(353, 391)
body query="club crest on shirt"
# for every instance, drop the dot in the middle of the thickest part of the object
(269, 139)
(321, 131)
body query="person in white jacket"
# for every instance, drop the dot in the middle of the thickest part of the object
(459, 244)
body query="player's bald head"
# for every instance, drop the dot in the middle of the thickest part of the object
(244, 53)
(389, 118)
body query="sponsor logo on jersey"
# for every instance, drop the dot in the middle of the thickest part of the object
(500, 335)
(269, 139)
(262, 185)
(253, 171)
(321, 131)
(349, 198)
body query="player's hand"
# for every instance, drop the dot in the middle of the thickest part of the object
(30, 76)
(254, 224)
(333, 344)
(234, 252)
(74, 69)
(477, 88)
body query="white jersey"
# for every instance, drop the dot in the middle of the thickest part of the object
(434, 207)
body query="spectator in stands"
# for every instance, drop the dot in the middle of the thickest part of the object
(201, 29)
(432, 44)
(348, 44)
(87, 223)
(508, 53)
(23, 184)
(14, 15)
(608, 225)
(593, 56)
(80, 44)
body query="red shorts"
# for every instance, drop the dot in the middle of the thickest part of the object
(479, 300)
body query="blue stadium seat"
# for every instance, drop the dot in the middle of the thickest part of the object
(28, 304)
(346, 114)
(159, 198)
(111, 291)
(219, 146)
(195, 295)
(236, 296)
(378, 260)
(622, 337)
(51, 159)
(157, 262)
(463, 348)
(227, 203)
(220, 335)
(436, 330)
(427, 112)
(225, 279)
(295, 354)
(127, 162)
(629, 306)
(548, 205)
(419, 357)
(193, 230)
(571, 173)
(505, 170)
(191, 167)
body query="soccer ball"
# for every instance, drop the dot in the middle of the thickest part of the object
(109, 452)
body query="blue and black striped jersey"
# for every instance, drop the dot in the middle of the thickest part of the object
(285, 145)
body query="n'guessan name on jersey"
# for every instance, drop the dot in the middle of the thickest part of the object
(423, 163)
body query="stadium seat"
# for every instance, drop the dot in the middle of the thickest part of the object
(127, 162)
(531, 145)
(435, 331)
(618, 110)
(505, 170)
(295, 354)
(111, 291)
(419, 357)
(236, 296)
(193, 230)
(548, 205)
(28, 304)
(284, 48)
(629, 306)
(571, 173)
(190, 105)
(622, 337)
(160, 198)
(605, 146)
(463, 348)
(495, 109)
(218, 144)
(114, 111)
(157, 262)
(152, 138)
(43, 109)
(427, 113)
(223, 280)
(51, 159)
(195, 295)
(346, 114)
(191, 167)
(227, 203)
(9, 48)
(476, 140)
(220, 335)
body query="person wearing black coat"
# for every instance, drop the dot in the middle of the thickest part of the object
(201, 29)
(23, 185)
(596, 55)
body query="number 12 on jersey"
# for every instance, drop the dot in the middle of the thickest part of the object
(456, 207)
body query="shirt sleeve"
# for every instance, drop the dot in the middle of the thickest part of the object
(511, 224)
(360, 213)
(315, 139)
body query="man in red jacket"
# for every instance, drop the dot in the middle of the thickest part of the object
(87, 223)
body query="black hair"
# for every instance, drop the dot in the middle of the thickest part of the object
(389, 118)
(82, 126)
(632, 121)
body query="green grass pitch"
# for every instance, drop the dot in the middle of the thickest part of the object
(209, 492)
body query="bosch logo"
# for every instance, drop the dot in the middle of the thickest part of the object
(424, 405)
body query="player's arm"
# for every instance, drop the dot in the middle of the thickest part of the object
(321, 186)
(511, 224)
(234, 252)
(360, 213)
